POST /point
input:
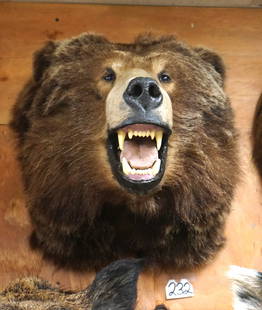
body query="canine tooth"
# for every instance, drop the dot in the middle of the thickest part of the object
(121, 139)
(126, 167)
(159, 136)
(156, 167)
(130, 134)
(152, 135)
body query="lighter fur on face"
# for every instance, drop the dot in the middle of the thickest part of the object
(116, 109)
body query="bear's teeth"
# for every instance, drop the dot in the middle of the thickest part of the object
(121, 139)
(156, 167)
(130, 134)
(153, 134)
(127, 169)
(159, 136)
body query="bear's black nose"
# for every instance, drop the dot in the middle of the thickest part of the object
(143, 93)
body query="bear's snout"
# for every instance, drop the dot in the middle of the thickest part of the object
(143, 93)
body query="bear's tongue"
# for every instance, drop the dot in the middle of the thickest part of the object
(141, 153)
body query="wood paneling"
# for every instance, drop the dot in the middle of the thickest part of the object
(201, 3)
(235, 33)
(25, 27)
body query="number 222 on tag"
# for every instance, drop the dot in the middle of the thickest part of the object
(181, 289)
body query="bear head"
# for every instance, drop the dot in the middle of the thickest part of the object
(145, 127)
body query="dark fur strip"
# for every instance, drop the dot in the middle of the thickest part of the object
(113, 288)
(257, 136)
(247, 288)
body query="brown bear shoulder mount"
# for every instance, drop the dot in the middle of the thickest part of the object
(126, 150)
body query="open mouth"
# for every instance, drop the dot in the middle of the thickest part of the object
(137, 154)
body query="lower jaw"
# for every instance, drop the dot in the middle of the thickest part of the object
(140, 185)
(139, 177)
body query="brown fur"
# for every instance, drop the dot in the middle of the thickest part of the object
(113, 288)
(82, 217)
(257, 136)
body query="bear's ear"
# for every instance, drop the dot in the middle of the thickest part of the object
(212, 58)
(42, 60)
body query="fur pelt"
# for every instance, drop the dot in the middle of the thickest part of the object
(247, 288)
(115, 287)
(81, 215)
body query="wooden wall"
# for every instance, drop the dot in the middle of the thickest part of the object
(234, 33)
(201, 3)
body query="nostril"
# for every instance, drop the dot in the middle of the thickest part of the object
(143, 94)
(135, 91)
(154, 91)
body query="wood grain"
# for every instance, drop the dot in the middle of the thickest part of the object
(235, 33)
(201, 3)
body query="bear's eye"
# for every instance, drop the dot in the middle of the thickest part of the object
(109, 76)
(163, 77)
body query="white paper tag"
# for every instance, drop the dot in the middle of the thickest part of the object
(181, 289)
